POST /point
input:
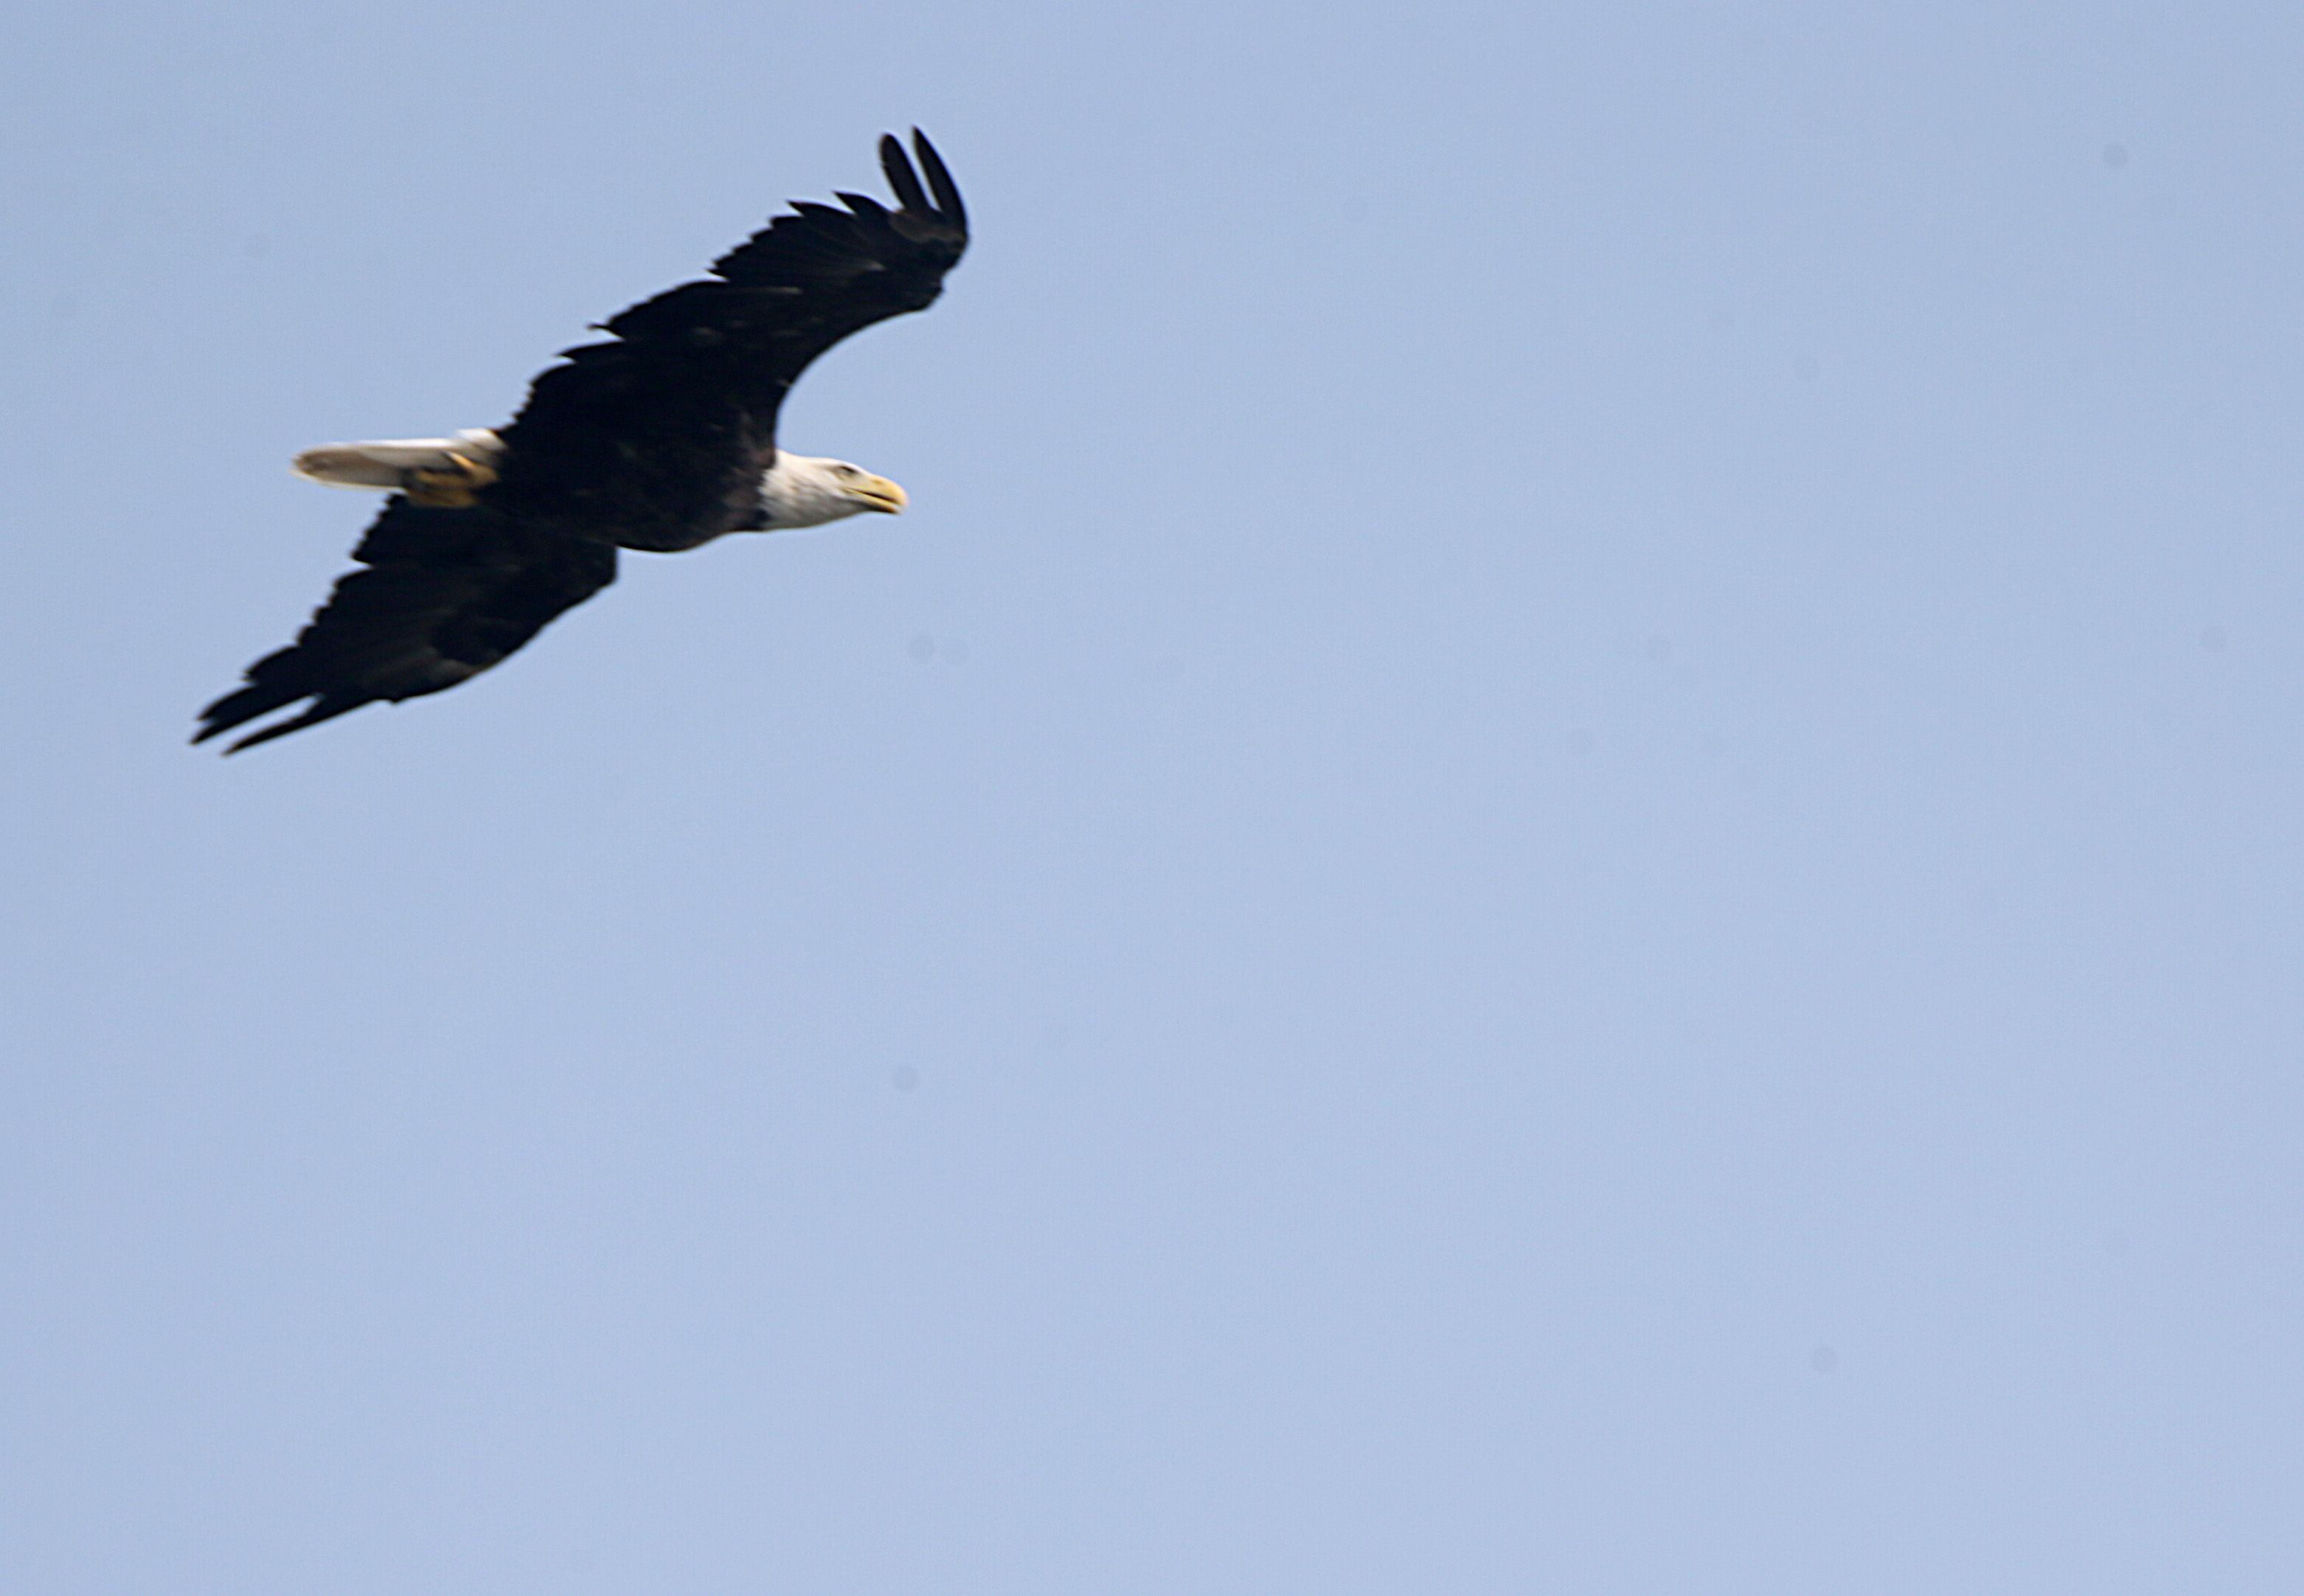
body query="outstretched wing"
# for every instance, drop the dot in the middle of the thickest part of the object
(446, 594)
(657, 438)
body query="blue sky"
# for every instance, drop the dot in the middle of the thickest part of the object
(1560, 854)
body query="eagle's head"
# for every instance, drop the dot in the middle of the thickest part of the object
(806, 490)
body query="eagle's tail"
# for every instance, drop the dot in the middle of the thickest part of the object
(393, 464)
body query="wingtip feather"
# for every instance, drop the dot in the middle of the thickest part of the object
(326, 706)
(940, 182)
(901, 175)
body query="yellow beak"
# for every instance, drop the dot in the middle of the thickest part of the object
(879, 494)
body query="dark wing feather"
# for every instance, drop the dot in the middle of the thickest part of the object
(657, 438)
(444, 595)
(940, 183)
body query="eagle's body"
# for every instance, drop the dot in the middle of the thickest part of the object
(797, 490)
(662, 437)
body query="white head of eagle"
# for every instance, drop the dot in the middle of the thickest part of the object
(808, 490)
(661, 436)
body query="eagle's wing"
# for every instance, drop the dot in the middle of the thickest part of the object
(657, 438)
(444, 595)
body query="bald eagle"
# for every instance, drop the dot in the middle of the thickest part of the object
(661, 438)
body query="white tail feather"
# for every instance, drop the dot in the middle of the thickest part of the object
(385, 462)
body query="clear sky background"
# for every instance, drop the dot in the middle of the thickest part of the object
(1560, 855)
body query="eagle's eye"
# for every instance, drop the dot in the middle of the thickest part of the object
(843, 470)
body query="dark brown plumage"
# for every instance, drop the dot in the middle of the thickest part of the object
(655, 438)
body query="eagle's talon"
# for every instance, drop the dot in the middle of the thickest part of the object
(454, 487)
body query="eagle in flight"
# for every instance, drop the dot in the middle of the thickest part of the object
(661, 438)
